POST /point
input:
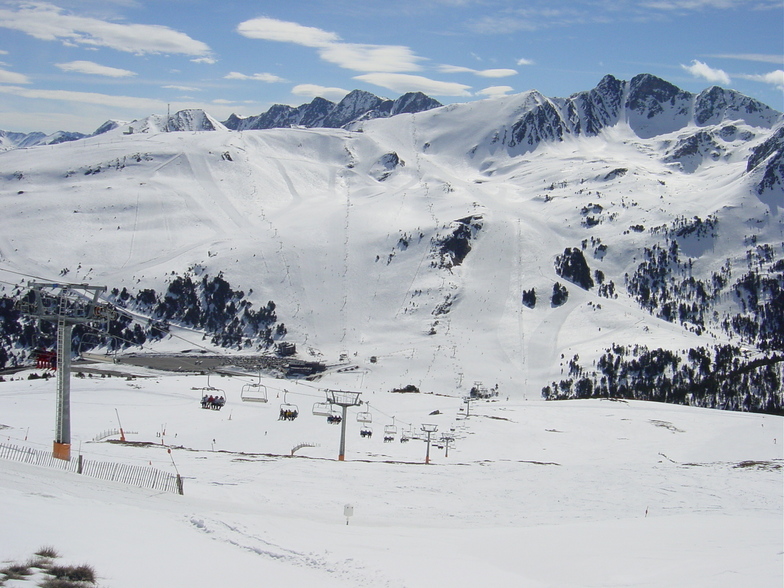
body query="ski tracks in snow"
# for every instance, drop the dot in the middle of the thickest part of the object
(348, 572)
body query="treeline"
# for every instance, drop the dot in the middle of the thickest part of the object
(202, 302)
(721, 377)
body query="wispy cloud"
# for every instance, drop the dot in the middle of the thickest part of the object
(182, 88)
(50, 23)
(496, 91)
(207, 60)
(89, 67)
(130, 102)
(260, 77)
(314, 91)
(331, 48)
(10, 77)
(761, 57)
(709, 4)
(701, 70)
(524, 61)
(485, 73)
(402, 83)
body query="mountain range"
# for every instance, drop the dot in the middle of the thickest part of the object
(625, 241)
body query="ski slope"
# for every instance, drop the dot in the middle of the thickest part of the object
(576, 493)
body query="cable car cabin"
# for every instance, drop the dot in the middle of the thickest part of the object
(254, 393)
(322, 409)
(366, 432)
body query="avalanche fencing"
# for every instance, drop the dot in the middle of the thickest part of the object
(143, 477)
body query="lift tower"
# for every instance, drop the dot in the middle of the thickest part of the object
(66, 305)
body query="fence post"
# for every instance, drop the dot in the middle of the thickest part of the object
(79, 464)
(179, 485)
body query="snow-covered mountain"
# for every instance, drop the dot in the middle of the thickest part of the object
(624, 241)
(10, 140)
(355, 106)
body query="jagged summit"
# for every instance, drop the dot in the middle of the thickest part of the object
(356, 106)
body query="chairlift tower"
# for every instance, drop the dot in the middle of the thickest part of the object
(344, 400)
(429, 429)
(66, 305)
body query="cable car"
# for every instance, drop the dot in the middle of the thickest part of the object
(288, 412)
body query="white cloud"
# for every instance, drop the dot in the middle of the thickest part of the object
(271, 29)
(3, 52)
(485, 73)
(496, 91)
(403, 83)
(524, 61)
(701, 70)
(496, 73)
(10, 77)
(207, 60)
(313, 91)
(372, 58)
(261, 77)
(49, 23)
(88, 67)
(775, 78)
(331, 48)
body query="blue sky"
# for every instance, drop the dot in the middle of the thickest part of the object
(71, 65)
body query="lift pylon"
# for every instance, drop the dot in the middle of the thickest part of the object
(66, 305)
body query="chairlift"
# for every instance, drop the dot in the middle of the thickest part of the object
(335, 418)
(366, 432)
(365, 416)
(322, 409)
(390, 431)
(254, 393)
(288, 412)
(217, 394)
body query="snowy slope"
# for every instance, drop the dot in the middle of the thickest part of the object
(531, 493)
(347, 231)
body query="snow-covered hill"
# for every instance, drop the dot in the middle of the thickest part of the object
(442, 247)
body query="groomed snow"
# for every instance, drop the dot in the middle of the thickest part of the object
(562, 494)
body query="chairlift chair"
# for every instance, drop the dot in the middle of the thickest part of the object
(288, 412)
(254, 393)
(390, 431)
(365, 416)
(335, 418)
(366, 432)
(322, 409)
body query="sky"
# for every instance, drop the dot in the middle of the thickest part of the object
(74, 64)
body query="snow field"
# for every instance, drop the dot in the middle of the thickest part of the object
(580, 493)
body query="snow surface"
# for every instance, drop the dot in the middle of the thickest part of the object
(582, 494)
(577, 493)
(299, 217)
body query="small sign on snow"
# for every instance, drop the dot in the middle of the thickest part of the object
(348, 511)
